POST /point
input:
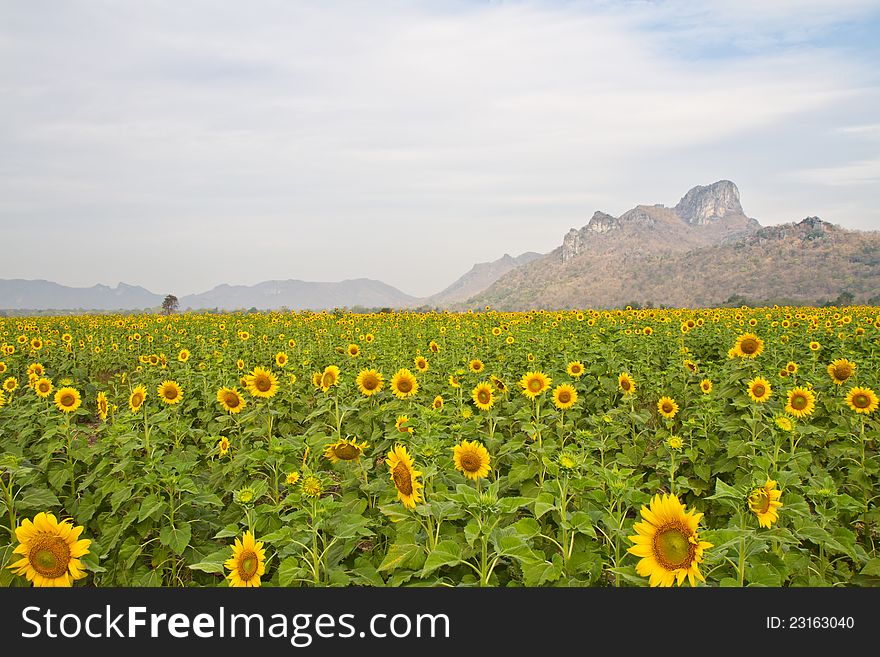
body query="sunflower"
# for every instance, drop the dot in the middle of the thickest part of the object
(231, 400)
(784, 422)
(815, 346)
(401, 424)
(759, 389)
(482, 396)
(292, 478)
(2, 398)
(103, 405)
(534, 383)
(67, 399)
(764, 501)
(801, 402)
(453, 381)
(353, 350)
(50, 551)
(43, 387)
(239, 364)
(749, 345)
(791, 367)
(706, 386)
(667, 407)
(691, 366)
(437, 404)
(472, 459)
(344, 450)
(329, 377)
(498, 383)
(262, 383)
(840, 370)
(223, 446)
(433, 347)
(667, 543)
(575, 369)
(405, 478)
(36, 368)
(183, 356)
(564, 396)
(862, 400)
(312, 487)
(170, 392)
(316, 379)
(404, 384)
(626, 384)
(248, 561)
(136, 398)
(476, 366)
(281, 359)
(369, 382)
(421, 364)
(10, 384)
(3, 367)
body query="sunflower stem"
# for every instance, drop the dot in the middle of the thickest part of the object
(7, 494)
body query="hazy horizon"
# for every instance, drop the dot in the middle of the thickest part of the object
(180, 147)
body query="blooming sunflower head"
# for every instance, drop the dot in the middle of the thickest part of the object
(840, 370)
(329, 377)
(564, 396)
(483, 396)
(749, 345)
(170, 392)
(472, 459)
(262, 383)
(231, 400)
(862, 400)
(405, 476)
(667, 407)
(67, 399)
(345, 450)
(706, 386)
(50, 551)
(668, 543)
(759, 389)
(764, 502)
(402, 424)
(136, 398)
(369, 382)
(437, 404)
(801, 402)
(43, 387)
(404, 384)
(534, 383)
(421, 364)
(292, 478)
(223, 446)
(626, 384)
(476, 366)
(312, 487)
(248, 562)
(575, 368)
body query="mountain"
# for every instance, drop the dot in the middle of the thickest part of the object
(19, 294)
(301, 295)
(701, 252)
(480, 276)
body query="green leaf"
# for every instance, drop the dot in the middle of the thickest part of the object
(207, 567)
(580, 522)
(723, 491)
(527, 528)
(544, 503)
(399, 554)
(177, 538)
(511, 504)
(150, 506)
(289, 570)
(872, 568)
(447, 553)
(538, 573)
(41, 499)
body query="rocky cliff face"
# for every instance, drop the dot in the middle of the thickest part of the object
(704, 204)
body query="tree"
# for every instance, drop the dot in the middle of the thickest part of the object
(170, 305)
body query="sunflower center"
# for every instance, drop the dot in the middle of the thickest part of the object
(799, 402)
(861, 401)
(759, 501)
(759, 390)
(470, 462)
(232, 400)
(346, 452)
(402, 479)
(262, 383)
(137, 400)
(842, 371)
(672, 548)
(535, 385)
(404, 385)
(67, 399)
(370, 382)
(49, 556)
(247, 564)
(667, 407)
(170, 393)
(575, 369)
(564, 397)
(748, 346)
(625, 384)
(483, 396)
(43, 387)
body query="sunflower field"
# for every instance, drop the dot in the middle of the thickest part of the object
(710, 447)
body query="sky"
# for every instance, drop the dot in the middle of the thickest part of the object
(180, 145)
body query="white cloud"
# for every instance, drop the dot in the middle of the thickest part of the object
(403, 141)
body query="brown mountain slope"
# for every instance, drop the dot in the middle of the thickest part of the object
(803, 263)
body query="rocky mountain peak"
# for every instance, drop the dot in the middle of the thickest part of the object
(706, 203)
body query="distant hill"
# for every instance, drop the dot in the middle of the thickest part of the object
(480, 276)
(699, 253)
(301, 295)
(19, 294)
